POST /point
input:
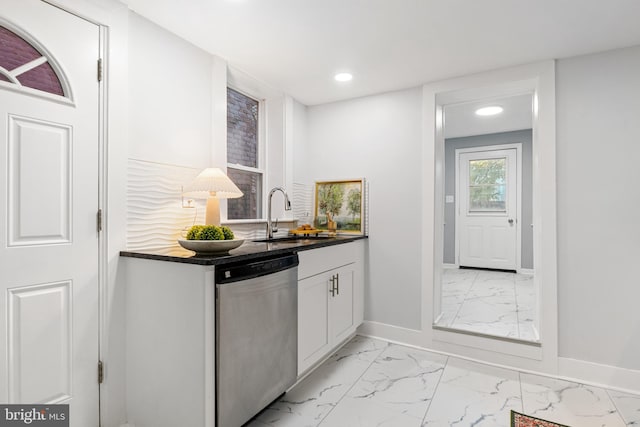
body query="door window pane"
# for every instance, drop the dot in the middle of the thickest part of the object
(487, 185)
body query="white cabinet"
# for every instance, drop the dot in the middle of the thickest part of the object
(341, 297)
(170, 329)
(330, 300)
(313, 320)
(170, 343)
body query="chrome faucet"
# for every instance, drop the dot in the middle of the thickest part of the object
(287, 207)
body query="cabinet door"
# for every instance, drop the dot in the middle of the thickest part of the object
(314, 340)
(341, 304)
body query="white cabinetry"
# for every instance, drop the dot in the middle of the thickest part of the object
(330, 300)
(170, 343)
(170, 329)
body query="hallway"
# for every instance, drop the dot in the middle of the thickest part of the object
(489, 302)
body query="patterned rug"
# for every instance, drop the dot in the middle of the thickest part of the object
(522, 420)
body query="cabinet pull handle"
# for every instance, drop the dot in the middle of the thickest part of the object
(338, 283)
(333, 285)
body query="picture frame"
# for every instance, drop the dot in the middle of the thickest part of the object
(340, 206)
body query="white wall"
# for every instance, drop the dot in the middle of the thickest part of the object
(170, 97)
(178, 117)
(598, 139)
(379, 138)
(598, 146)
(299, 144)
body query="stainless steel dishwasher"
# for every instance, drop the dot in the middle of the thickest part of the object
(256, 336)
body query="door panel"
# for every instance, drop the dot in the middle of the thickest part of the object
(48, 203)
(474, 242)
(342, 319)
(313, 320)
(499, 249)
(487, 209)
(39, 203)
(40, 324)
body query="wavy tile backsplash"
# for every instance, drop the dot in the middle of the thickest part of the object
(302, 203)
(155, 216)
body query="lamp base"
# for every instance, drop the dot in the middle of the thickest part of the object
(213, 211)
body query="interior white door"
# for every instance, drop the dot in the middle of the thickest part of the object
(487, 209)
(48, 205)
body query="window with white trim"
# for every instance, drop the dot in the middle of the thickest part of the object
(487, 185)
(244, 164)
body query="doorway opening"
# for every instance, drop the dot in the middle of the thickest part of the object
(486, 285)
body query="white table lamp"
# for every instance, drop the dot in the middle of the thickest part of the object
(212, 184)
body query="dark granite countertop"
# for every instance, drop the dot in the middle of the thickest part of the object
(249, 250)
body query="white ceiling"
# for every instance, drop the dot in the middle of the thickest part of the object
(298, 45)
(462, 120)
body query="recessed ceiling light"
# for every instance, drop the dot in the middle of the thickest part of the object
(343, 77)
(489, 111)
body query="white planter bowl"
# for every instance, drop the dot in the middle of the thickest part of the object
(206, 247)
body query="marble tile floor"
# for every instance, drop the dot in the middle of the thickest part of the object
(370, 382)
(489, 302)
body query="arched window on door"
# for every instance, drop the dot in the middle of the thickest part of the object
(25, 66)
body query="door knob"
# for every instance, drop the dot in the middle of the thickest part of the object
(511, 221)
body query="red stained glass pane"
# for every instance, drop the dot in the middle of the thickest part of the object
(15, 52)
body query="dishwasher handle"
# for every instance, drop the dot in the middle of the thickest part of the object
(250, 270)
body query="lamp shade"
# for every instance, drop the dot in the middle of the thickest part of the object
(212, 182)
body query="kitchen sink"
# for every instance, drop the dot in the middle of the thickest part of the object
(294, 239)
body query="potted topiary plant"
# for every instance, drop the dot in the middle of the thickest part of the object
(210, 239)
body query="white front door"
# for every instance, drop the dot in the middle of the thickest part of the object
(48, 205)
(487, 208)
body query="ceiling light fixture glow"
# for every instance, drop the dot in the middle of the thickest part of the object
(343, 77)
(489, 111)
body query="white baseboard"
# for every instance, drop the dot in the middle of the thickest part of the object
(395, 334)
(621, 379)
(611, 377)
(498, 354)
(528, 271)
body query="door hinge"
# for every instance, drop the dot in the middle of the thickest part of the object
(100, 372)
(100, 69)
(99, 220)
